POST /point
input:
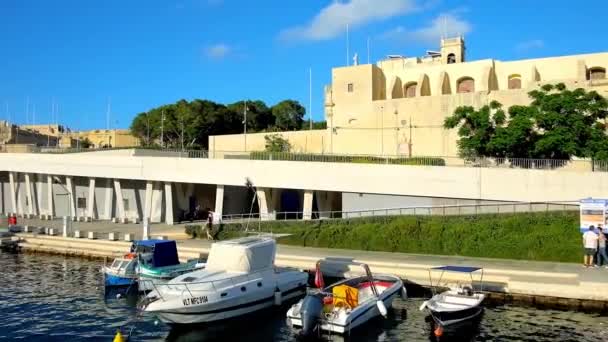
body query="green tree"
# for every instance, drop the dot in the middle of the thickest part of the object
(276, 143)
(85, 143)
(288, 115)
(558, 124)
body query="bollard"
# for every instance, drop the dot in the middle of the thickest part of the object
(52, 231)
(92, 235)
(28, 229)
(128, 237)
(78, 234)
(113, 236)
(65, 226)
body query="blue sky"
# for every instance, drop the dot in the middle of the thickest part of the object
(141, 54)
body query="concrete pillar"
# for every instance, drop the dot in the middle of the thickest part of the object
(262, 203)
(148, 204)
(31, 207)
(307, 205)
(91, 203)
(157, 202)
(168, 204)
(268, 203)
(108, 202)
(120, 205)
(325, 201)
(219, 203)
(49, 185)
(38, 192)
(70, 186)
(11, 179)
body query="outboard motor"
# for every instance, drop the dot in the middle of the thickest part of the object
(310, 312)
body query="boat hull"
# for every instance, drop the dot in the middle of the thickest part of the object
(226, 310)
(357, 317)
(447, 318)
(113, 280)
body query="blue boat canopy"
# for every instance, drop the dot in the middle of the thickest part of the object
(164, 251)
(463, 269)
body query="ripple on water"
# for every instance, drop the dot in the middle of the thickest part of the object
(53, 298)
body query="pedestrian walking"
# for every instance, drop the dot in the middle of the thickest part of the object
(590, 240)
(210, 226)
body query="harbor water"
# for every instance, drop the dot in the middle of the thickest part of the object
(52, 298)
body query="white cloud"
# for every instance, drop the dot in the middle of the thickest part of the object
(530, 45)
(446, 24)
(218, 51)
(331, 21)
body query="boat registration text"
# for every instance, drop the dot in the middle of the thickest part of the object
(195, 300)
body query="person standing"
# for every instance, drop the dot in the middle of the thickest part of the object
(602, 257)
(590, 240)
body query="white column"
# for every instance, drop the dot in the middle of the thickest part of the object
(219, 203)
(49, 184)
(39, 186)
(70, 186)
(91, 203)
(11, 179)
(28, 195)
(168, 204)
(307, 205)
(148, 204)
(262, 203)
(157, 202)
(120, 206)
(108, 202)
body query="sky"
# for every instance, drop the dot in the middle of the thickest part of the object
(136, 55)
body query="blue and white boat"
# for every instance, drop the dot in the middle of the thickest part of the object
(144, 254)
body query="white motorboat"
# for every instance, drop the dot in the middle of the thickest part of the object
(457, 304)
(346, 304)
(239, 278)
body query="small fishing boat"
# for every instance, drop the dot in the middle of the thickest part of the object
(122, 271)
(239, 278)
(150, 260)
(458, 304)
(345, 305)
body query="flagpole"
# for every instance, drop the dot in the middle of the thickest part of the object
(245, 125)
(310, 99)
(347, 47)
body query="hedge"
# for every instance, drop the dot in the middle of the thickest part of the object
(545, 236)
(262, 155)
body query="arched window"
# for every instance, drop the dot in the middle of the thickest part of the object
(465, 85)
(410, 89)
(515, 81)
(451, 58)
(596, 73)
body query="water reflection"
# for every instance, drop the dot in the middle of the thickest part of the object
(57, 299)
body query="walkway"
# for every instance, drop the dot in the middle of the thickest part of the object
(563, 280)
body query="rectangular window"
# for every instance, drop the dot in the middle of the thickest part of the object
(82, 203)
(350, 87)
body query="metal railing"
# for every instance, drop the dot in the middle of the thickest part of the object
(445, 210)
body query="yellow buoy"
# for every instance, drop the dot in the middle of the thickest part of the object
(118, 337)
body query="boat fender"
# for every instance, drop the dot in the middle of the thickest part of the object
(381, 308)
(403, 293)
(278, 298)
(118, 337)
(423, 306)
